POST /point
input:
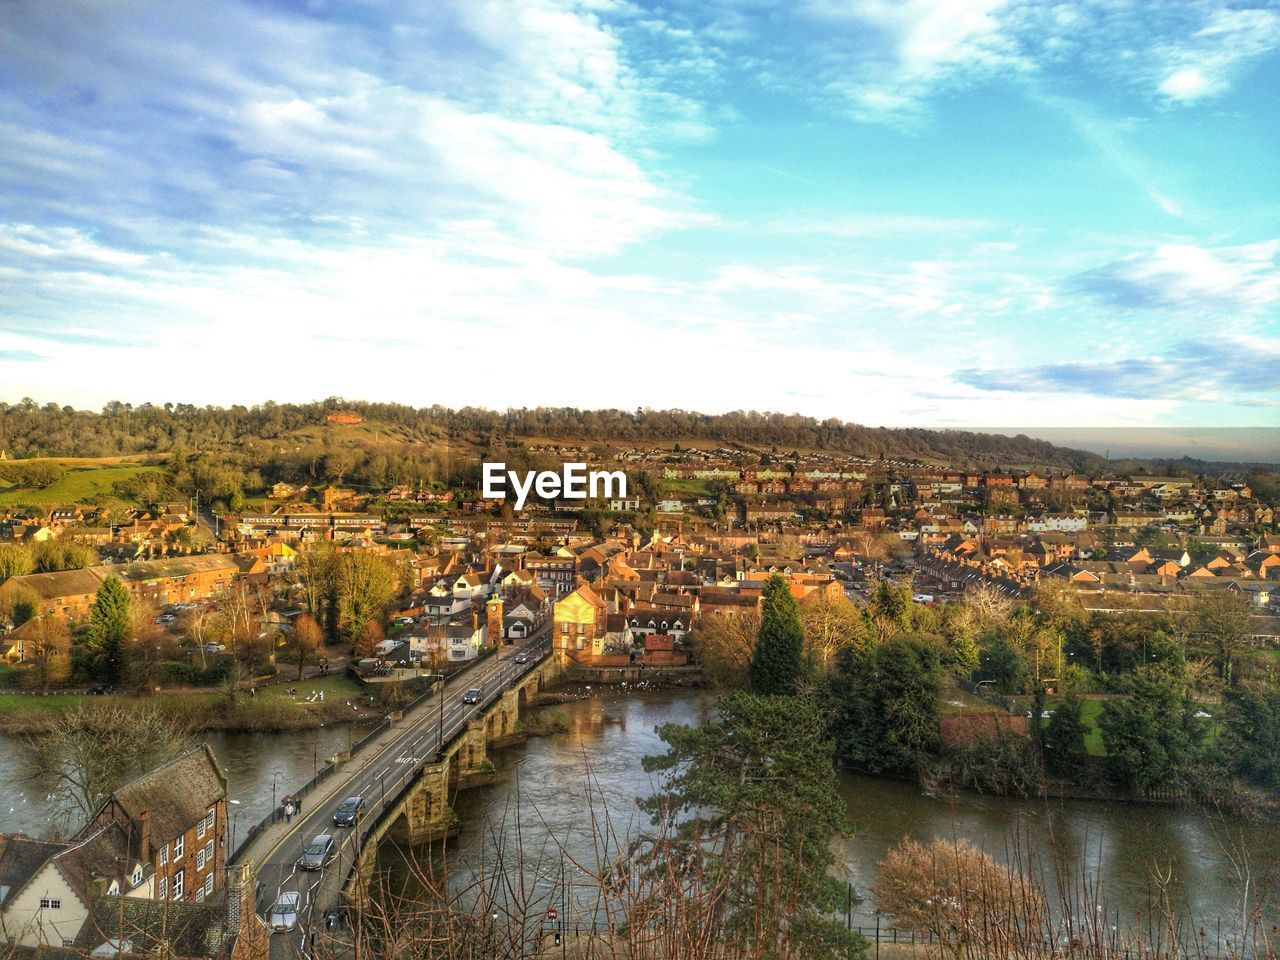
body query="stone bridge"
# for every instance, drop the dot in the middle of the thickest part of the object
(422, 809)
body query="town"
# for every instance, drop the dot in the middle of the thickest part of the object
(397, 589)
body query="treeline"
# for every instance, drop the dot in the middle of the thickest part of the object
(1181, 702)
(28, 429)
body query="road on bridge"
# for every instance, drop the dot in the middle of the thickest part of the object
(378, 775)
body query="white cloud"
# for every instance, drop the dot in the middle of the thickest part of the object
(1184, 276)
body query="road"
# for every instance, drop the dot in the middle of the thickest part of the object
(377, 775)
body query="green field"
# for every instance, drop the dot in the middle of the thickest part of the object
(53, 703)
(336, 687)
(688, 486)
(76, 486)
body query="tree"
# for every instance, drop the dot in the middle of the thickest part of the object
(49, 650)
(15, 561)
(831, 621)
(1064, 750)
(370, 636)
(1221, 619)
(366, 583)
(724, 643)
(888, 706)
(91, 749)
(1000, 663)
(953, 891)
(308, 640)
(748, 806)
(1250, 738)
(110, 620)
(890, 607)
(1152, 738)
(776, 666)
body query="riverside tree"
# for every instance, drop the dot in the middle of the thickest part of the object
(746, 812)
(1064, 750)
(953, 891)
(776, 665)
(92, 748)
(110, 620)
(888, 706)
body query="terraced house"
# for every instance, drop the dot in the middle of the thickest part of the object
(68, 594)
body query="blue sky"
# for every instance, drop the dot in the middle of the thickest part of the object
(931, 212)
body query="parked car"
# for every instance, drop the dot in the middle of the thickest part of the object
(347, 812)
(472, 695)
(283, 915)
(319, 853)
(214, 648)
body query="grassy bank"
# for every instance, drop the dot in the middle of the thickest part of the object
(272, 709)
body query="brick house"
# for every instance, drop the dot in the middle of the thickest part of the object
(176, 820)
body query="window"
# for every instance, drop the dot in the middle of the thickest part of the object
(208, 885)
(164, 887)
(137, 875)
(177, 885)
(177, 847)
(209, 819)
(200, 859)
(164, 855)
(208, 850)
(47, 904)
(200, 829)
(199, 894)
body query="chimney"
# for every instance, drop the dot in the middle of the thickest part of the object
(475, 617)
(144, 836)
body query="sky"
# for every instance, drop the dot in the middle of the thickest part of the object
(941, 213)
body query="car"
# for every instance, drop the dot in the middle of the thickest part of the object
(283, 915)
(472, 695)
(347, 812)
(214, 648)
(318, 854)
(522, 658)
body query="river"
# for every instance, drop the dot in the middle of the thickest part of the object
(554, 782)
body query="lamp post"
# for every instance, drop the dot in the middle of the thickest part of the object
(231, 839)
(275, 778)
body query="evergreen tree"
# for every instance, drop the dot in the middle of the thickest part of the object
(1064, 750)
(888, 706)
(110, 619)
(1250, 738)
(776, 664)
(747, 809)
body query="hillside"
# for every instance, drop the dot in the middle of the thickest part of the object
(28, 430)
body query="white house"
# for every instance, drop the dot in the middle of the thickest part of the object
(46, 887)
(1058, 523)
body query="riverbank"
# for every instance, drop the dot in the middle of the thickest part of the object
(304, 705)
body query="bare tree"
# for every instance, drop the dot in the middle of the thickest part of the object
(92, 748)
(724, 643)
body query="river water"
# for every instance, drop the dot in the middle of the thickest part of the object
(552, 784)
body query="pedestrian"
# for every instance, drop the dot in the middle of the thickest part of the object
(313, 941)
(288, 810)
(328, 919)
(297, 804)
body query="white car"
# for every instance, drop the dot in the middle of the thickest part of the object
(283, 915)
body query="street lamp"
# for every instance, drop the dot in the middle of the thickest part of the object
(231, 844)
(275, 778)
